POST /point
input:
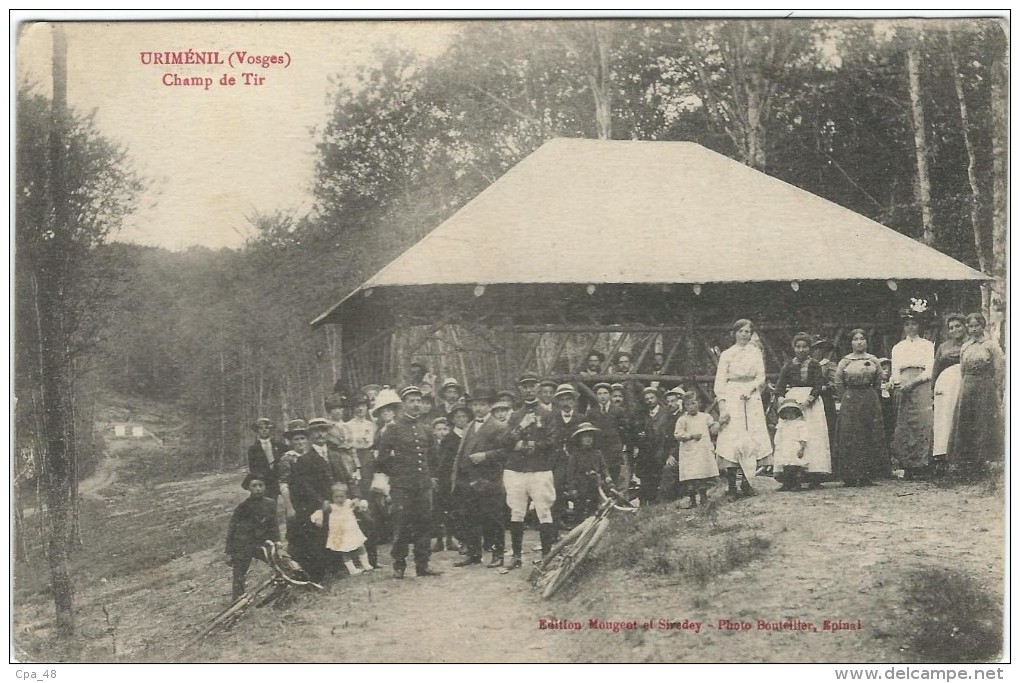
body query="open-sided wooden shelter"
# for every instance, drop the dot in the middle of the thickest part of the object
(635, 246)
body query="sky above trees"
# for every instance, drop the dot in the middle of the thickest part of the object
(214, 156)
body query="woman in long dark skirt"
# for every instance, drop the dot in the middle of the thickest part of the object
(912, 362)
(820, 350)
(978, 430)
(861, 454)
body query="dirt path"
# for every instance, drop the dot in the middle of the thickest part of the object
(468, 614)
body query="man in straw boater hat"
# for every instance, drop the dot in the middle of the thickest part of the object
(566, 418)
(528, 473)
(407, 453)
(264, 454)
(477, 482)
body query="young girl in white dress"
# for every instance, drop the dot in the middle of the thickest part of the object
(343, 535)
(698, 467)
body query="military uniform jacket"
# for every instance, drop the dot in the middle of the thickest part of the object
(407, 453)
(487, 437)
(521, 456)
(252, 524)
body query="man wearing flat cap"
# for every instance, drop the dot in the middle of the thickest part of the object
(407, 453)
(652, 445)
(611, 426)
(528, 473)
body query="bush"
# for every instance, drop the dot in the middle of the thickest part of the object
(957, 620)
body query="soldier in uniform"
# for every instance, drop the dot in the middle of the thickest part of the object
(406, 457)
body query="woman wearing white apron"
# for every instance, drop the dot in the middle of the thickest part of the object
(743, 435)
(947, 386)
(803, 379)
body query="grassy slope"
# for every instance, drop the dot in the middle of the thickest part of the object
(838, 554)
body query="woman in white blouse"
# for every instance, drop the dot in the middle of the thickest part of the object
(912, 362)
(743, 436)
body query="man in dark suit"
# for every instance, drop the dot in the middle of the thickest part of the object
(311, 479)
(563, 422)
(651, 441)
(264, 454)
(611, 422)
(669, 478)
(445, 510)
(478, 481)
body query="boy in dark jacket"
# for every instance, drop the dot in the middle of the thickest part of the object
(584, 458)
(252, 524)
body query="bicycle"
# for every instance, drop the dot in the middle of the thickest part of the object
(286, 573)
(554, 570)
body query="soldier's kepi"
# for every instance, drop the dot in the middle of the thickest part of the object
(407, 452)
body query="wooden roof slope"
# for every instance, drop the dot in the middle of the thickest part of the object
(596, 211)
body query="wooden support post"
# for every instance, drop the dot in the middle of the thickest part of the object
(672, 352)
(644, 351)
(615, 349)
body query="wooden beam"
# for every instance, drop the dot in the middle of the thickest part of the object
(644, 351)
(533, 354)
(672, 352)
(615, 349)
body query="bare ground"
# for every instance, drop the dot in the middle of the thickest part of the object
(152, 572)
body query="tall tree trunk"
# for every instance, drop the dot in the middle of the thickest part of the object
(923, 185)
(600, 80)
(975, 193)
(996, 311)
(53, 351)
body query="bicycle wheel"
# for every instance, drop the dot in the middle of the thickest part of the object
(569, 539)
(573, 561)
(562, 554)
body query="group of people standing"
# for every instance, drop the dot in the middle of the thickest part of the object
(919, 413)
(456, 471)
